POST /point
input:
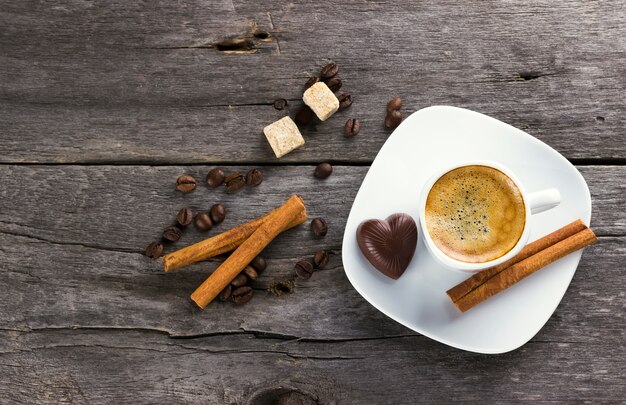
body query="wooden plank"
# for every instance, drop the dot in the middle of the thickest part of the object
(110, 366)
(71, 239)
(86, 85)
(60, 286)
(125, 207)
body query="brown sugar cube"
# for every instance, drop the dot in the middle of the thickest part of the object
(283, 136)
(321, 100)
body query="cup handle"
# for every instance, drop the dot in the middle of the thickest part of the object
(543, 200)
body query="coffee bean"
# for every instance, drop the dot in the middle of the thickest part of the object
(226, 293)
(280, 287)
(259, 264)
(234, 182)
(352, 127)
(304, 269)
(280, 104)
(319, 227)
(184, 216)
(171, 234)
(203, 222)
(254, 177)
(250, 273)
(154, 250)
(393, 119)
(240, 280)
(218, 213)
(345, 100)
(394, 104)
(185, 183)
(334, 84)
(215, 178)
(323, 170)
(312, 80)
(303, 115)
(329, 71)
(242, 295)
(320, 259)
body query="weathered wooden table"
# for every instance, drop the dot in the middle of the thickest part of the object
(104, 104)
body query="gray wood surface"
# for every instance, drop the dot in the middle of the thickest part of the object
(104, 104)
(86, 293)
(119, 82)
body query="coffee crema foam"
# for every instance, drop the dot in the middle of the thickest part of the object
(475, 214)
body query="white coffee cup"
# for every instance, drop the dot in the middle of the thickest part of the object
(534, 202)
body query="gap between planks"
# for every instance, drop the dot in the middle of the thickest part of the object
(257, 334)
(307, 162)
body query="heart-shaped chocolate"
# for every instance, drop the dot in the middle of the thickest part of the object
(390, 244)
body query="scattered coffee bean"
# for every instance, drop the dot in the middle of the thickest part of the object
(251, 273)
(234, 182)
(259, 264)
(304, 269)
(280, 287)
(184, 216)
(239, 281)
(394, 104)
(171, 234)
(154, 250)
(345, 100)
(323, 170)
(334, 84)
(330, 70)
(254, 177)
(185, 183)
(215, 178)
(218, 213)
(226, 293)
(320, 259)
(303, 115)
(280, 104)
(352, 127)
(319, 227)
(312, 80)
(393, 119)
(242, 295)
(203, 222)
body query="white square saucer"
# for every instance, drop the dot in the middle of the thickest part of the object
(438, 136)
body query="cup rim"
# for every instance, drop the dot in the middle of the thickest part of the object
(457, 264)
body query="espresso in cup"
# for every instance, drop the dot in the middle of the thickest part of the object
(475, 213)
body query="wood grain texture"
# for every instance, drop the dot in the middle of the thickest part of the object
(94, 94)
(118, 82)
(114, 366)
(72, 238)
(125, 207)
(58, 286)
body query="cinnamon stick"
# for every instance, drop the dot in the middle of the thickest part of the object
(524, 268)
(222, 243)
(460, 290)
(273, 225)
